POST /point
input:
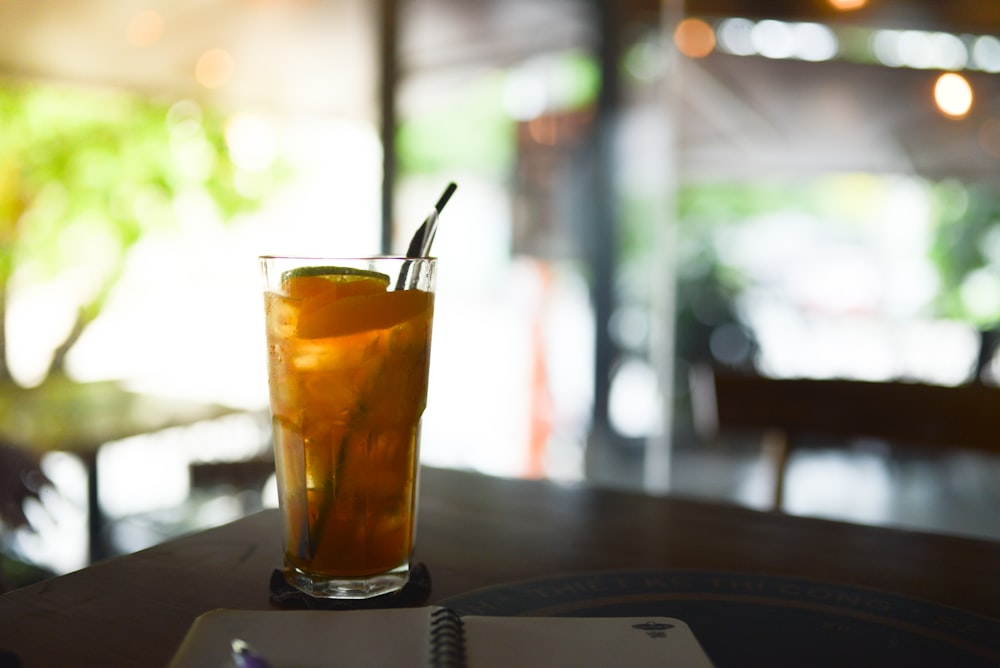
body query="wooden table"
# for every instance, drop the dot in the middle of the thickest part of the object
(476, 531)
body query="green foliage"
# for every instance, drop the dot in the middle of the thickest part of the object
(966, 251)
(469, 131)
(579, 80)
(102, 165)
(85, 174)
(848, 197)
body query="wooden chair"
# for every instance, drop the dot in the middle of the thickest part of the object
(787, 411)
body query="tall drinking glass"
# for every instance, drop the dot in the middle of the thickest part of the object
(348, 356)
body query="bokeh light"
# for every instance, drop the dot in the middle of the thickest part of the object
(986, 53)
(735, 36)
(694, 38)
(948, 52)
(773, 39)
(251, 140)
(145, 29)
(813, 42)
(915, 49)
(214, 68)
(778, 39)
(953, 95)
(885, 48)
(184, 118)
(847, 5)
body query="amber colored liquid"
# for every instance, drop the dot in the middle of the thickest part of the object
(348, 371)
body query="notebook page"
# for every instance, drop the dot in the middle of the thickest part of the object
(310, 638)
(537, 642)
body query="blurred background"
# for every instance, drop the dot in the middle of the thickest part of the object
(796, 189)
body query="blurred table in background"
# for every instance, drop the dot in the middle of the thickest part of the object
(62, 415)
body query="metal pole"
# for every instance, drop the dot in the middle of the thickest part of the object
(388, 16)
(603, 244)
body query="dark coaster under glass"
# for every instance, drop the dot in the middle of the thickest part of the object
(413, 594)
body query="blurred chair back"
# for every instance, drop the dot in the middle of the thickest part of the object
(786, 411)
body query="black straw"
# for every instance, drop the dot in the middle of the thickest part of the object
(429, 226)
(417, 242)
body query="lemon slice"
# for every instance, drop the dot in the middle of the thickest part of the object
(334, 273)
(326, 283)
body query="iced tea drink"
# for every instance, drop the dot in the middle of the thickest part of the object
(348, 357)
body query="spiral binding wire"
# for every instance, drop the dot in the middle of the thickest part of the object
(447, 639)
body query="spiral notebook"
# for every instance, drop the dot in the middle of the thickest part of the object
(436, 637)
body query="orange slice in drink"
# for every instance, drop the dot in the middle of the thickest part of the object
(362, 313)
